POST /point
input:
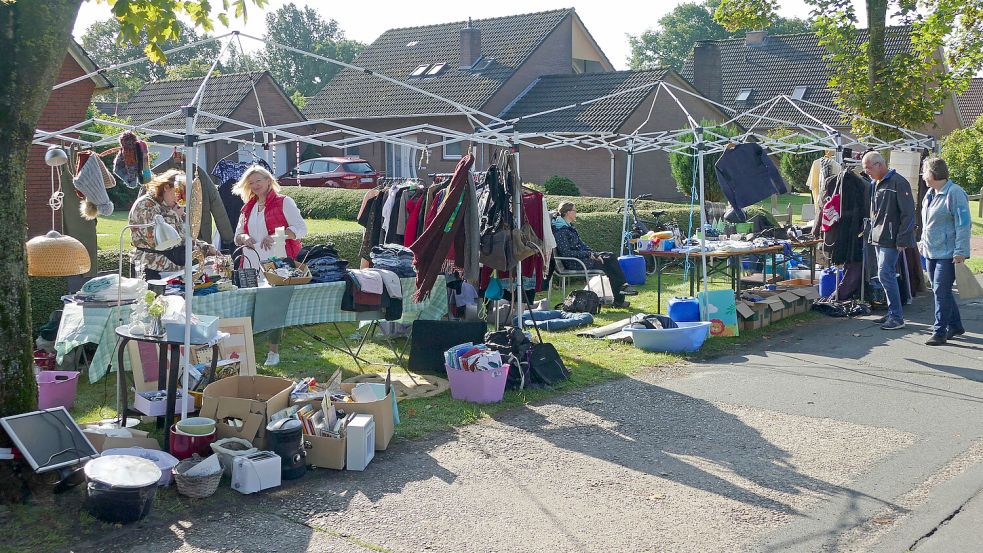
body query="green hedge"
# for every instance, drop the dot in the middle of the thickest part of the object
(326, 203)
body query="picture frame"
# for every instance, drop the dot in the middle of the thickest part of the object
(239, 345)
(144, 363)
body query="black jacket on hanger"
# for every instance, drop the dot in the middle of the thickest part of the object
(844, 242)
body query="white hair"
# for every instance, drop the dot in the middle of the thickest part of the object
(874, 157)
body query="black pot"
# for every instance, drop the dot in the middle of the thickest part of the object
(285, 438)
(121, 488)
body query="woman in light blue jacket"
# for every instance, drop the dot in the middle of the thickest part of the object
(946, 225)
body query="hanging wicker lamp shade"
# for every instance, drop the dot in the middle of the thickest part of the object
(55, 255)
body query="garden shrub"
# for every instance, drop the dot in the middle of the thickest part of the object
(561, 186)
(962, 151)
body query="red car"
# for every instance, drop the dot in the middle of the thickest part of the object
(332, 172)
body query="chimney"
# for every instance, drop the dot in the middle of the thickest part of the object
(706, 70)
(470, 45)
(755, 39)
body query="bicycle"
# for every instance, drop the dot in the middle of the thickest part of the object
(640, 227)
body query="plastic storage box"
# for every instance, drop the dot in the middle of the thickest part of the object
(478, 386)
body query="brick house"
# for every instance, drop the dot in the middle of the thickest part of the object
(66, 106)
(226, 95)
(971, 102)
(488, 65)
(741, 72)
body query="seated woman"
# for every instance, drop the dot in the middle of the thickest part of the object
(265, 210)
(569, 244)
(160, 199)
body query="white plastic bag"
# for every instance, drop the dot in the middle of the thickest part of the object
(601, 286)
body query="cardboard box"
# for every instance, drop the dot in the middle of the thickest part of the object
(159, 408)
(247, 399)
(325, 452)
(381, 410)
(749, 318)
(103, 442)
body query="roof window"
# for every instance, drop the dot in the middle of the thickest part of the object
(414, 43)
(800, 92)
(419, 71)
(744, 95)
(436, 69)
(482, 64)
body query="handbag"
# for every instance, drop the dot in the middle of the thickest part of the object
(245, 277)
(831, 209)
(581, 301)
(525, 243)
(496, 249)
(545, 364)
(494, 291)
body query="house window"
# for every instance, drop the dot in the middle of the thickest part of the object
(744, 95)
(800, 92)
(454, 150)
(436, 69)
(419, 71)
(412, 44)
(352, 151)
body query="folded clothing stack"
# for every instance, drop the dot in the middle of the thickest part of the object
(109, 287)
(395, 258)
(324, 263)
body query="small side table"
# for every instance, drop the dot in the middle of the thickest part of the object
(167, 349)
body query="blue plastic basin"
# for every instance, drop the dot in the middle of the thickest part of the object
(687, 338)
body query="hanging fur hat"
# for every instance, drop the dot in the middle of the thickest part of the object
(91, 183)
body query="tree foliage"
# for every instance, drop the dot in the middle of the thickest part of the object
(305, 29)
(102, 42)
(686, 24)
(905, 88)
(795, 166)
(962, 151)
(684, 167)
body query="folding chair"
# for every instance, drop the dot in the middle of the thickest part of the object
(564, 273)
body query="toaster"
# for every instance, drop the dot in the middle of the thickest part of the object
(255, 472)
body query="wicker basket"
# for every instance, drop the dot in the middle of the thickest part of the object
(197, 487)
(277, 280)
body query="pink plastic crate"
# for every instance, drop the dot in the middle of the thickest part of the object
(478, 386)
(57, 388)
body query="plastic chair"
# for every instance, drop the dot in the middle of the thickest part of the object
(564, 273)
(808, 212)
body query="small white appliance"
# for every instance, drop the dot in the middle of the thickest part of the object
(361, 442)
(256, 472)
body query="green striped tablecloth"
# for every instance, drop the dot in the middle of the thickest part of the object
(309, 304)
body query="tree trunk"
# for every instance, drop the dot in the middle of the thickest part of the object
(34, 38)
(876, 23)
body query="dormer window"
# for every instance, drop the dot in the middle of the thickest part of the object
(800, 92)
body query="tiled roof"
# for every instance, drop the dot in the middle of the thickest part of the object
(971, 102)
(781, 64)
(555, 91)
(222, 96)
(507, 40)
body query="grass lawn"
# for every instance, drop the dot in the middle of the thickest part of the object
(108, 229)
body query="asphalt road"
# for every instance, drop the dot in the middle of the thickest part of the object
(834, 436)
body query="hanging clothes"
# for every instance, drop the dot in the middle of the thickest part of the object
(413, 208)
(212, 205)
(844, 241)
(821, 170)
(747, 175)
(430, 249)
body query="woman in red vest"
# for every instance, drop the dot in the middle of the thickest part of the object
(265, 210)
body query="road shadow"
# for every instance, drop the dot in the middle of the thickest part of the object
(663, 433)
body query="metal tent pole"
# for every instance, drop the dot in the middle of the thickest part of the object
(703, 217)
(189, 288)
(629, 167)
(612, 172)
(517, 216)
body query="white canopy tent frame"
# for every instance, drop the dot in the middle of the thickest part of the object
(496, 132)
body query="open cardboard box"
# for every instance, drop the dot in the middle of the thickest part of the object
(381, 411)
(324, 451)
(242, 405)
(103, 442)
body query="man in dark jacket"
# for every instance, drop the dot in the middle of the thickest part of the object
(569, 244)
(892, 218)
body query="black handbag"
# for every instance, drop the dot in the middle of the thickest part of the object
(244, 277)
(546, 366)
(514, 347)
(581, 301)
